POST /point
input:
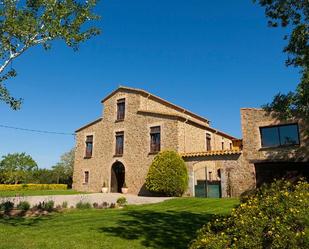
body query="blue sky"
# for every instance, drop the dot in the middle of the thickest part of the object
(211, 57)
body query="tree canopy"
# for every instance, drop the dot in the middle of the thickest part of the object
(294, 15)
(16, 168)
(25, 24)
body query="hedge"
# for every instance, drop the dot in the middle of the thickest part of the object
(19, 187)
(167, 174)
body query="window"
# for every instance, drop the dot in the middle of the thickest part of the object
(119, 143)
(86, 177)
(210, 176)
(222, 145)
(121, 107)
(155, 139)
(208, 142)
(281, 135)
(231, 146)
(89, 146)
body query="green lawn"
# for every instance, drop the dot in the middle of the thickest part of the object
(38, 192)
(171, 224)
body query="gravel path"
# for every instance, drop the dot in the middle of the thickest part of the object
(91, 198)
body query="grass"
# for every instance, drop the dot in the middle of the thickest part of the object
(171, 224)
(38, 192)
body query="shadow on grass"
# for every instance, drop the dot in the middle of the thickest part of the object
(23, 221)
(159, 229)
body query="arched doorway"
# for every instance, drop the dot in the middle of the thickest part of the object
(117, 177)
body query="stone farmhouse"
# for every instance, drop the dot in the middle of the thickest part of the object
(118, 148)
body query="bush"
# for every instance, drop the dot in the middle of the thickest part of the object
(19, 187)
(83, 205)
(121, 201)
(23, 205)
(6, 206)
(64, 204)
(167, 174)
(46, 206)
(276, 216)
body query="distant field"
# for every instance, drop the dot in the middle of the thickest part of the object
(38, 192)
(168, 225)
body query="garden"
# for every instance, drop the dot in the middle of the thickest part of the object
(171, 224)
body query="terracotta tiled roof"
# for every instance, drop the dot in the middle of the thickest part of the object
(212, 153)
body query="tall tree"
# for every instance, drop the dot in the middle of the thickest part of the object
(16, 168)
(25, 24)
(294, 15)
(63, 170)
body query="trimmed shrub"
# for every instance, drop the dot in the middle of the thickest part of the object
(83, 205)
(121, 201)
(6, 206)
(167, 174)
(19, 187)
(45, 206)
(23, 205)
(276, 216)
(64, 204)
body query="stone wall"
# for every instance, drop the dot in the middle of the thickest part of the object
(252, 120)
(236, 176)
(141, 114)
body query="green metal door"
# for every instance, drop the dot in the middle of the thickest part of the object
(200, 189)
(214, 189)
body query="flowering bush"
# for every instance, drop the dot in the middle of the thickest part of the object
(19, 187)
(276, 216)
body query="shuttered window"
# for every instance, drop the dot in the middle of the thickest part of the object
(89, 146)
(121, 109)
(208, 142)
(155, 139)
(86, 177)
(119, 143)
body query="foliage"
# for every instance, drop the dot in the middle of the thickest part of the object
(275, 217)
(16, 168)
(169, 224)
(43, 176)
(25, 187)
(293, 14)
(25, 24)
(63, 170)
(45, 206)
(64, 204)
(83, 205)
(167, 174)
(23, 205)
(6, 206)
(122, 201)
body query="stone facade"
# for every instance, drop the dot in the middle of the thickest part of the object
(273, 162)
(236, 165)
(181, 130)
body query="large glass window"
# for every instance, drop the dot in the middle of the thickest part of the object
(121, 108)
(280, 135)
(155, 139)
(89, 146)
(119, 143)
